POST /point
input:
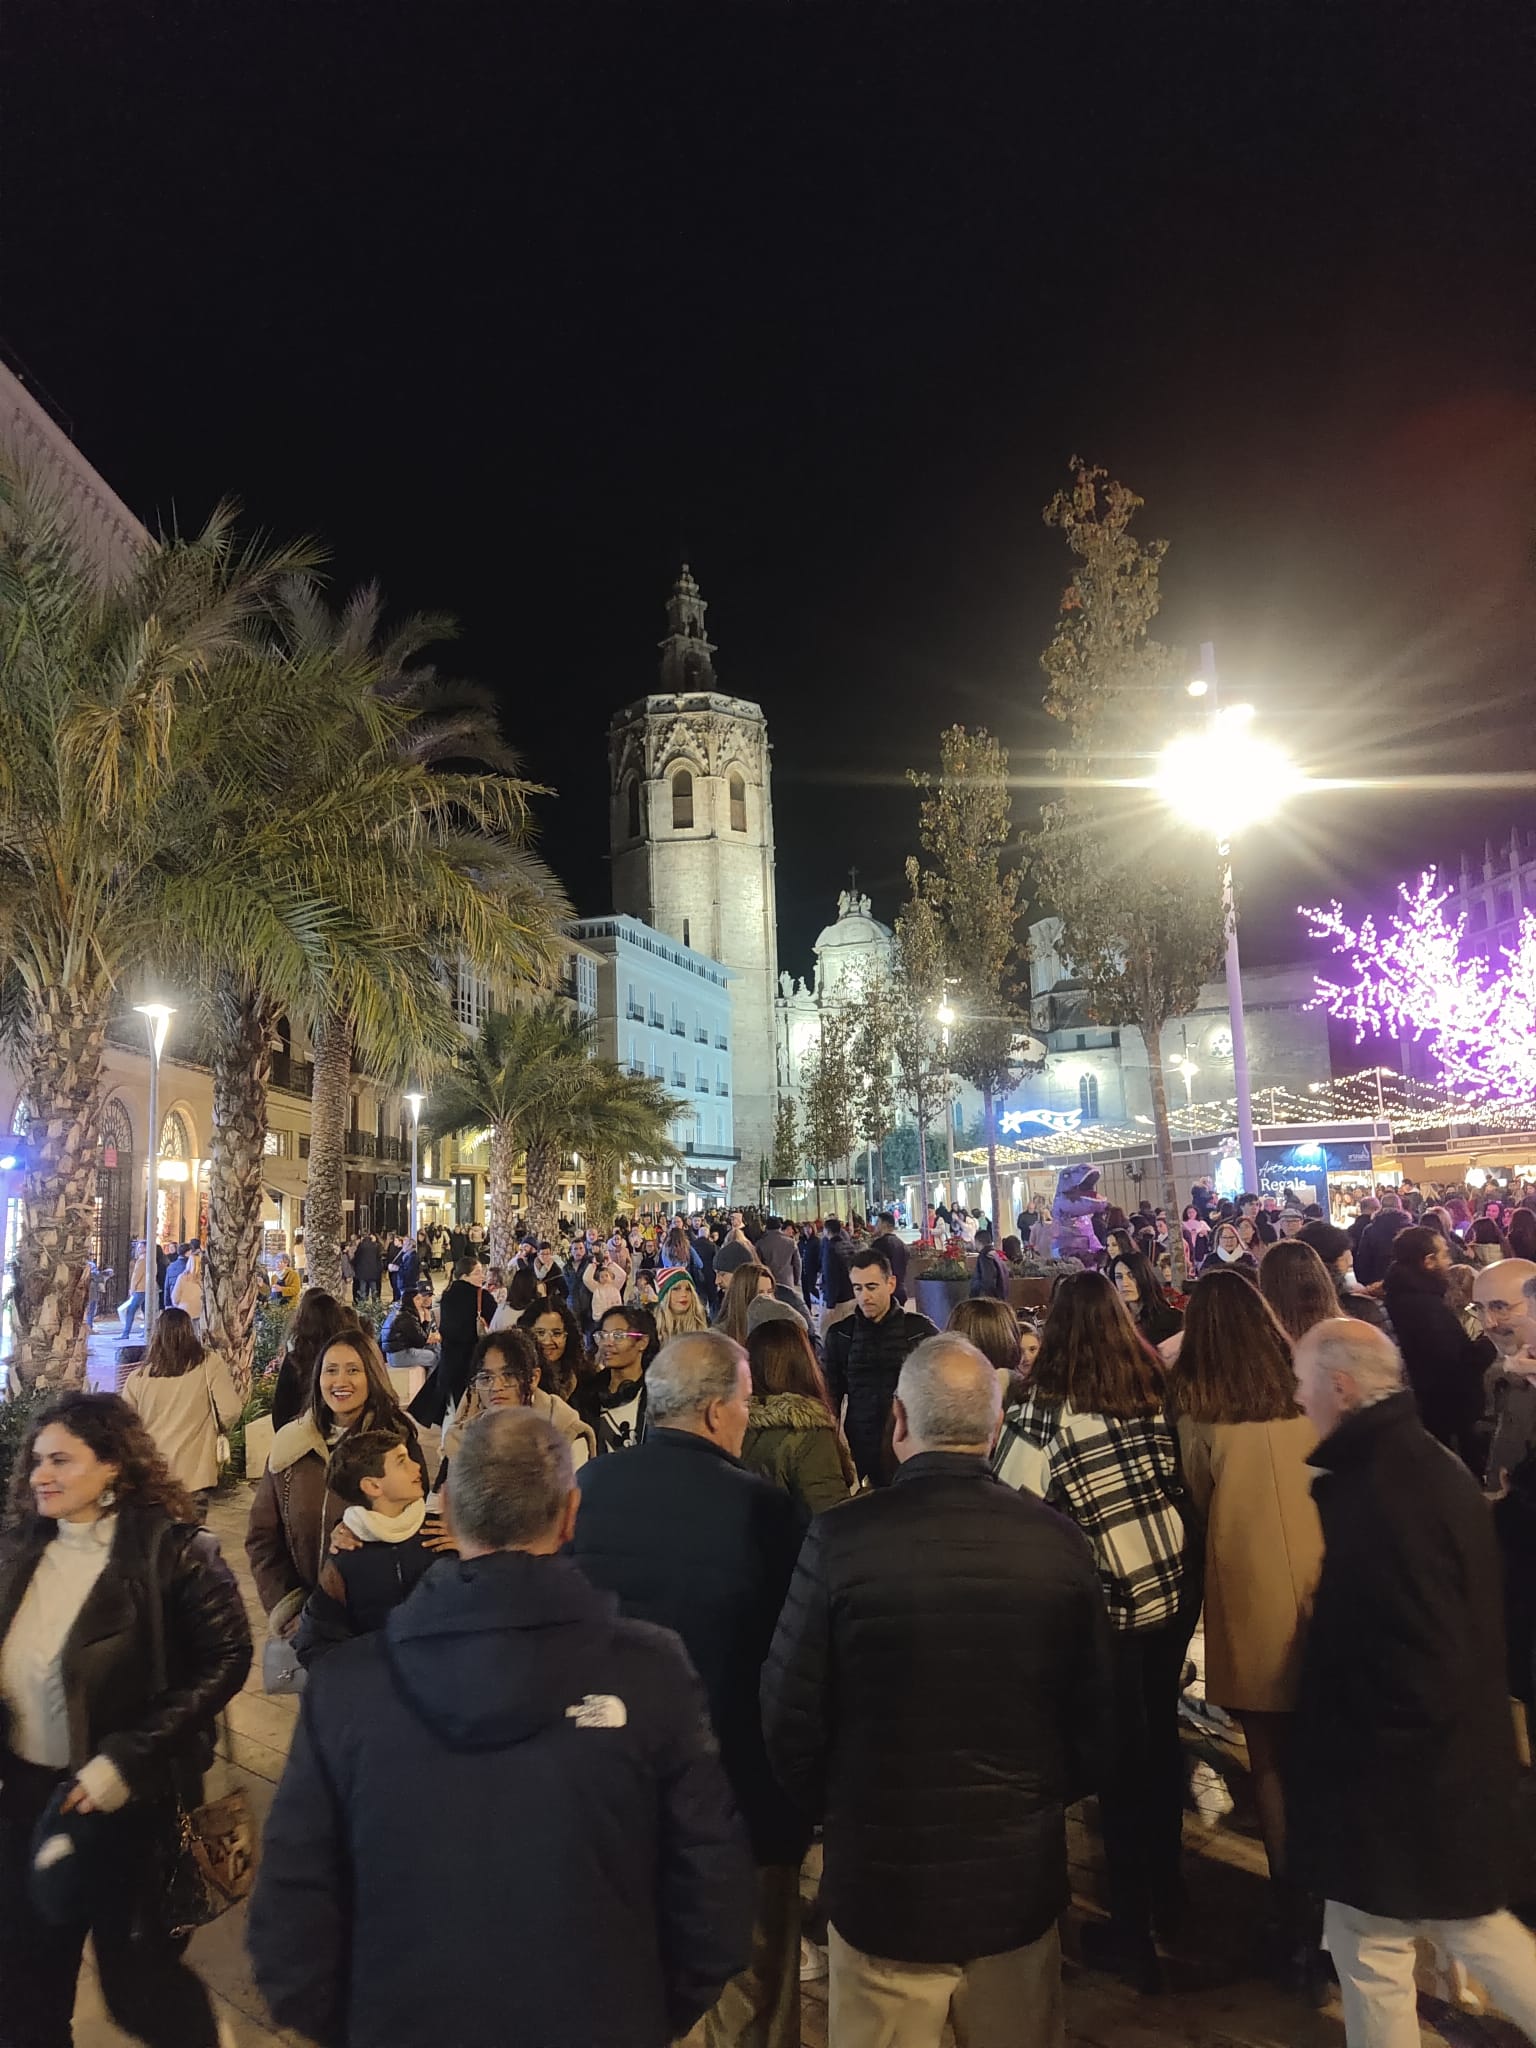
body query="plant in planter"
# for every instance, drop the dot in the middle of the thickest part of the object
(940, 1279)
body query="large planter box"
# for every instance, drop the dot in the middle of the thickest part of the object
(935, 1298)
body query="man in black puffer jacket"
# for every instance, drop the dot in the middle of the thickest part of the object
(863, 1355)
(938, 1691)
(506, 1740)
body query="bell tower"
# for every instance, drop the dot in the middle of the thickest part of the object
(691, 832)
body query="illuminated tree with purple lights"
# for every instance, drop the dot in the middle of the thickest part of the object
(1410, 975)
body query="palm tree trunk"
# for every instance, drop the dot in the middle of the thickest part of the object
(602, 1178)
(324, 1213)
(242, 1068)
(53, 1262)
(502, 1207)
(541, 1174)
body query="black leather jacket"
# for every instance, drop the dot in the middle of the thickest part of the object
(116, 1706)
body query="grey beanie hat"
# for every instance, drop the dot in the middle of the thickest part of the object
(766, 1310)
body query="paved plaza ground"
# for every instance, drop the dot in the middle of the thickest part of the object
(1218, 2001)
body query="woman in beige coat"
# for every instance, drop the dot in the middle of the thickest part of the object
(186, 1400)
(1245, 1447)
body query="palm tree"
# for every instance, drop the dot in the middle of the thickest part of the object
(451, 877)
(530, 1080)
(110, 770)
(381, 829)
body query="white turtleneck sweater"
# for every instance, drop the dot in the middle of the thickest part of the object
(32, 1655)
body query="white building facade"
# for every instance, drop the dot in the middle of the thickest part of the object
(664, 1010)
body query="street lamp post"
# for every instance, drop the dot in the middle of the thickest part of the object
(1224, 777)
(157, 1017)
(415, 1099)
(946, 1019)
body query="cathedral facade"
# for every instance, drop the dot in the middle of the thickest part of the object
(691, 833)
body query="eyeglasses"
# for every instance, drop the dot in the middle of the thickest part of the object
(617, 1336)
(488, 1381)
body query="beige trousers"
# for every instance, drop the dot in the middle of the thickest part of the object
(760, 2007)
(1006, 2001)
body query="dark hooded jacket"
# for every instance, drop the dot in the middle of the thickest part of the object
(515, 1736)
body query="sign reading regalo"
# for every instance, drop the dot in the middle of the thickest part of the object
(1013, 1121)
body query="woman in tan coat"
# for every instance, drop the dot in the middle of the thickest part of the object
(186, 1400)
(1245, 1447)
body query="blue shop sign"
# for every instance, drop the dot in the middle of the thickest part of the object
(1305, 1167)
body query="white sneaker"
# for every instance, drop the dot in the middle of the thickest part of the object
(1208, 1793)
(813, 1961)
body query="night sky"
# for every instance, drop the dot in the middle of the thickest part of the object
(517, 305)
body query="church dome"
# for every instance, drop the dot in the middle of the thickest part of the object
(854, 927)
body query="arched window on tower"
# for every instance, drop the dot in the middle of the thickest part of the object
(632, 803)
(738, 804)
(682, 801)
(1088, 1097)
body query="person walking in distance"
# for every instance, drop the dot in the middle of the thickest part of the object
(686, 1537)
(943, 1791)
(505, 1726)
(1401, 1789)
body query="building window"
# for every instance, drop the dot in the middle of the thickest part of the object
(472, 998)
(687, 941)
(738, 804)
(632, 803)
(1088, 1097)
(682, 801)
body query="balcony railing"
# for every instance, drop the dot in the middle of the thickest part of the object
(679, 1028)
(362, 1145)
(636, 1014)
(679, 1078)
(702, 1035)
(294, 1077)
(701, 1086)
(693, 1151)
(658, 1022)
(394, 1148)
(722, 1087)
(658, 1071)
(722, 1043)
(637, 1067)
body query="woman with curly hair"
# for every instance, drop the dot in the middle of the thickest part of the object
(122, 1634)
(294, 1511)
(507, 1372)
(562, 1355)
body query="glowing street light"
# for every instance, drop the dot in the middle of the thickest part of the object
(1183, 1064)
(157, 1018)
(1220, 778)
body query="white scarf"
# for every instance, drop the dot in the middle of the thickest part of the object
(369, 1526)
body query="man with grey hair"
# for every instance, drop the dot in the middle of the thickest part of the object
(938, 1690)
(508, 1743)
(1402, 1770)
(687, 1537)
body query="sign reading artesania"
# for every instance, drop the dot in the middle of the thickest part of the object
(1013, 1121)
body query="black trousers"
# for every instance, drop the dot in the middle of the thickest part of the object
(1141, 1804)
(149, 1990)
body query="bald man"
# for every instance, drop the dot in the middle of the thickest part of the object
(1402, 1778)
(938, 1691)
(1505, 1312)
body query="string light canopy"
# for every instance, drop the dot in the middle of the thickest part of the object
(1411, 976)
(1373, 1095)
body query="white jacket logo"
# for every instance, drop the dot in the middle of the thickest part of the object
(598, 1710)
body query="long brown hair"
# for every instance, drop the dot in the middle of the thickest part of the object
(175, 1348)
(1235, 1362)
(739, 1297)
(109, 1427)
(782, 1362)
(1298, 1287)
(1092, 1354)
(318, 1318)
(381, 1410)
(992, 1327)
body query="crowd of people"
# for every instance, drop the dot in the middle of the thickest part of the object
(683, 1547)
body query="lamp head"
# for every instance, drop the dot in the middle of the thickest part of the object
(415, 1098)
(1225, 776)
(946, 1015)
(158, 1017)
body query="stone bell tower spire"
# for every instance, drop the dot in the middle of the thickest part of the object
(687, 652)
